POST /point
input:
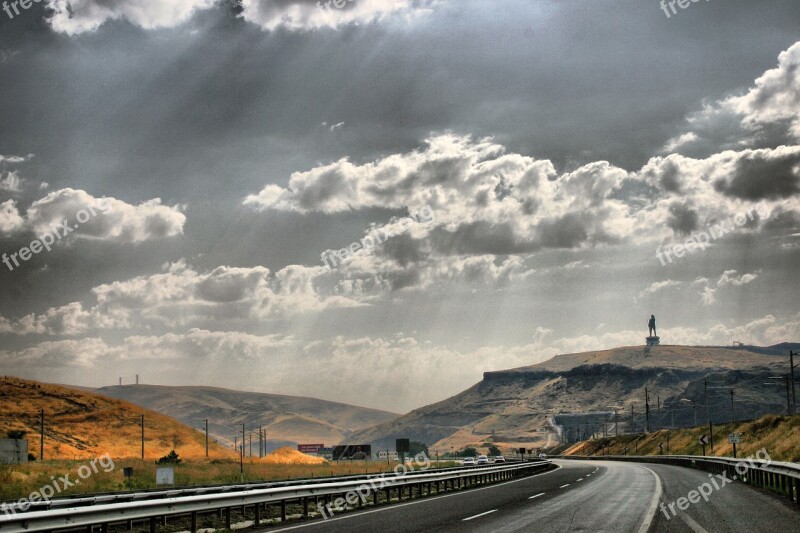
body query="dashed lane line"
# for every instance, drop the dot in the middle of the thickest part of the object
(480, 515)
(536, 495)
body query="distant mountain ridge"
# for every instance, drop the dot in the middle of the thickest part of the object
(287, 420)
(518, 407)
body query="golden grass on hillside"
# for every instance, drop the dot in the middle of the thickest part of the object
(22, 480)
(82, 425)
(779, 435)
(290, 456)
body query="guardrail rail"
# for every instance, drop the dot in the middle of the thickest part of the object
(154, 511)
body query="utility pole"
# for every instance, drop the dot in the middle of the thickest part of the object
(708, 416)
(658, 410)
(646, 411)
(206, 421)
(616, 424)
(632, 428)
(241, 456)
(791, 379)
(250, 438)
(137, 379)
(733, 415)
(41, 435)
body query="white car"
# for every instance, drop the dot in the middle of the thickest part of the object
(468, 461)
(499, 459)
(542, 456)
(483, 460)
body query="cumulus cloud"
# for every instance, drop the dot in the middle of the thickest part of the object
(10, 219)
(768, 114)
(182, 297)
(79, 16)
(11, 183)
(108, 219)
(729, 277)
(658, 286)
(309, 14)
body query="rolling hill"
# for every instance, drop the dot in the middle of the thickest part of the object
(287, 420)
(529, 406)
(81, 424)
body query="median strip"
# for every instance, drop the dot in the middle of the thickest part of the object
(480, 515)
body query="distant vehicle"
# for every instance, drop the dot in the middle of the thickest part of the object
(483, 460)
(542, 456)
(499, 459)
(468, 461)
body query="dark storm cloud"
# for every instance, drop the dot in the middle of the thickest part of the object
(683, 219)
(758, 178)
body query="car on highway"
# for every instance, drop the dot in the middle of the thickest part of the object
(542, 456)
(483, 460)
(499, 459)
(468, 461)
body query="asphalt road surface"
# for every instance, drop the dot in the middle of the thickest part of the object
(580, 496)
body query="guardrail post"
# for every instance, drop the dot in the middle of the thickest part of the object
(283, 511)
(257, 512)
(152, 524)
(375, 497)
(193, 528)
(227, 518)
(305, 507)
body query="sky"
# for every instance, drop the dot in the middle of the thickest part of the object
(376, 201)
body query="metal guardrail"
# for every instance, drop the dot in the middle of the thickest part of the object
(155, 510)
(779, 477)
(146, 494)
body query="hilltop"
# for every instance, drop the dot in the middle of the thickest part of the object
(81, 424)
(287, 420)
(521, 407)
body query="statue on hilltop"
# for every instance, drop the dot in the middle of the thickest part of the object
(652, 339)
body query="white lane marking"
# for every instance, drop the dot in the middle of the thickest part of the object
(536, 495)
(480, 515)
(581, 479)
(563, 486)
(425, 500)
(648, 519)
(697, 528)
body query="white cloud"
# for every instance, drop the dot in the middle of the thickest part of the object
(11, 183)
(74, 17)
(657, 287)
(113, 220)
(729, 277)
(10, 219)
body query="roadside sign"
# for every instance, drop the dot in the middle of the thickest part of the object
(735, 438)
(165, 476)
(704, 440)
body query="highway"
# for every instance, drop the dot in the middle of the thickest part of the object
(579, 496)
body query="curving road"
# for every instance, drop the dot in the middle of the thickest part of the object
(580, 496)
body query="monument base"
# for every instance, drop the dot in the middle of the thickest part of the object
(653, 341)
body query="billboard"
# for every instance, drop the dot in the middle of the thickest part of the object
(352, 451)
(309, 448)
(402, 445)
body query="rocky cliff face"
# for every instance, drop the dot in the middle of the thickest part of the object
(516, 408)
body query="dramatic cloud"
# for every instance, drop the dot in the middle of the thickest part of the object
(183, 297)
(309, 14)
(10, 219)
(104, 218)
(78, 16)
(768, 114)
